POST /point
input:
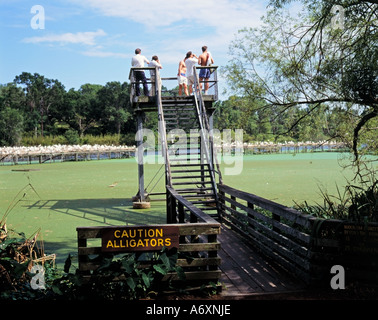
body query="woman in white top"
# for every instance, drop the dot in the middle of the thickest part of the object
(190, 61)
(154, 63)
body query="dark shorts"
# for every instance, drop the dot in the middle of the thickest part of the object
(204, 73)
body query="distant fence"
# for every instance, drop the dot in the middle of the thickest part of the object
(304, 245)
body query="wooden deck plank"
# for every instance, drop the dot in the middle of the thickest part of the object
(245, 271)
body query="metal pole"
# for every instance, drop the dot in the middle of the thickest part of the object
(140, 155)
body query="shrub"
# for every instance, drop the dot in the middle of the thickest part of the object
(72, 137)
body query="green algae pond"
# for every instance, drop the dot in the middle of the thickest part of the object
(55, 198)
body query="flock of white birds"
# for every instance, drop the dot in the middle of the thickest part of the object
(61, 149)
(88, 149)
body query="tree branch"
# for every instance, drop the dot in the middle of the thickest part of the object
(359, 126)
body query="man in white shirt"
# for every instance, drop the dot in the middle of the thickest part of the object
(138, 62)
(190, 60)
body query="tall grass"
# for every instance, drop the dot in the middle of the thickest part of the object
(107, 139)
(355, 203)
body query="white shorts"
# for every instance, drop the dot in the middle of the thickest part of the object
(190, 80)
(182, 80)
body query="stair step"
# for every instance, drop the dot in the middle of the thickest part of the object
(201, 195)
(191, 177)
(185, 160)
(193, 190)
(209, 208)
(177, 109)
(203, 202)
(190, 165)
(183, 153)
(183, 171)
(191, 182)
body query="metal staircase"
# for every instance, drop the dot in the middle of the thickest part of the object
(191, 167)
(186, 146)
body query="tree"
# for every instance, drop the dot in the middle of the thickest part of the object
(312, 61)
(82, 108)
(114, 98)
(42, 94)
(11, 127)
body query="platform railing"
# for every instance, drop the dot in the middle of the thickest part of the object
(170, 85)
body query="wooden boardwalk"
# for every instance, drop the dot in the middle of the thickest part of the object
(246, 273)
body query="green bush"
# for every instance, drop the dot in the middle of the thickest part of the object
(72, 137)
(133, 276)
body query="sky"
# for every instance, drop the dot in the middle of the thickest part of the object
(93, 41)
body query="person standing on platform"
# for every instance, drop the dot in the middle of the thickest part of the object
(138, 62)
(155, 62)
(190, 61)
(181, 78)
(204, 60)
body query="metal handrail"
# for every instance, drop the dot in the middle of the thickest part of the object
(162, 128)
(201, 112)
(191, 207)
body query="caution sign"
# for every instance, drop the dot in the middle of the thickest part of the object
(360, 238)
(141, 238)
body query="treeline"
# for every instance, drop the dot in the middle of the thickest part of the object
(271, 124)
(36, 110)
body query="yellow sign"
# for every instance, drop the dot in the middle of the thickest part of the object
(140, 238)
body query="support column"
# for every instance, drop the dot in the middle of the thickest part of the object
(140, 203)
(140, 155)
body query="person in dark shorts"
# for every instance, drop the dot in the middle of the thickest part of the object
(205, 59)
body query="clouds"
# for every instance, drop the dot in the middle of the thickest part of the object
(220, 14)
(88, 35)
(84, 38)
(98, 53)
(180, 26)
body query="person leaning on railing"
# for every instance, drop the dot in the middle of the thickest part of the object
(155, 62)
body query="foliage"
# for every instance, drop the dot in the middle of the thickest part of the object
(42, 97)
(16, 260)
(34, 106)
(133, 276)
(309, 62)
(355, 203)
(11, 127)
(72, 137)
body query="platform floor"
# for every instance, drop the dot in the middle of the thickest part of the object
(245, 272)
